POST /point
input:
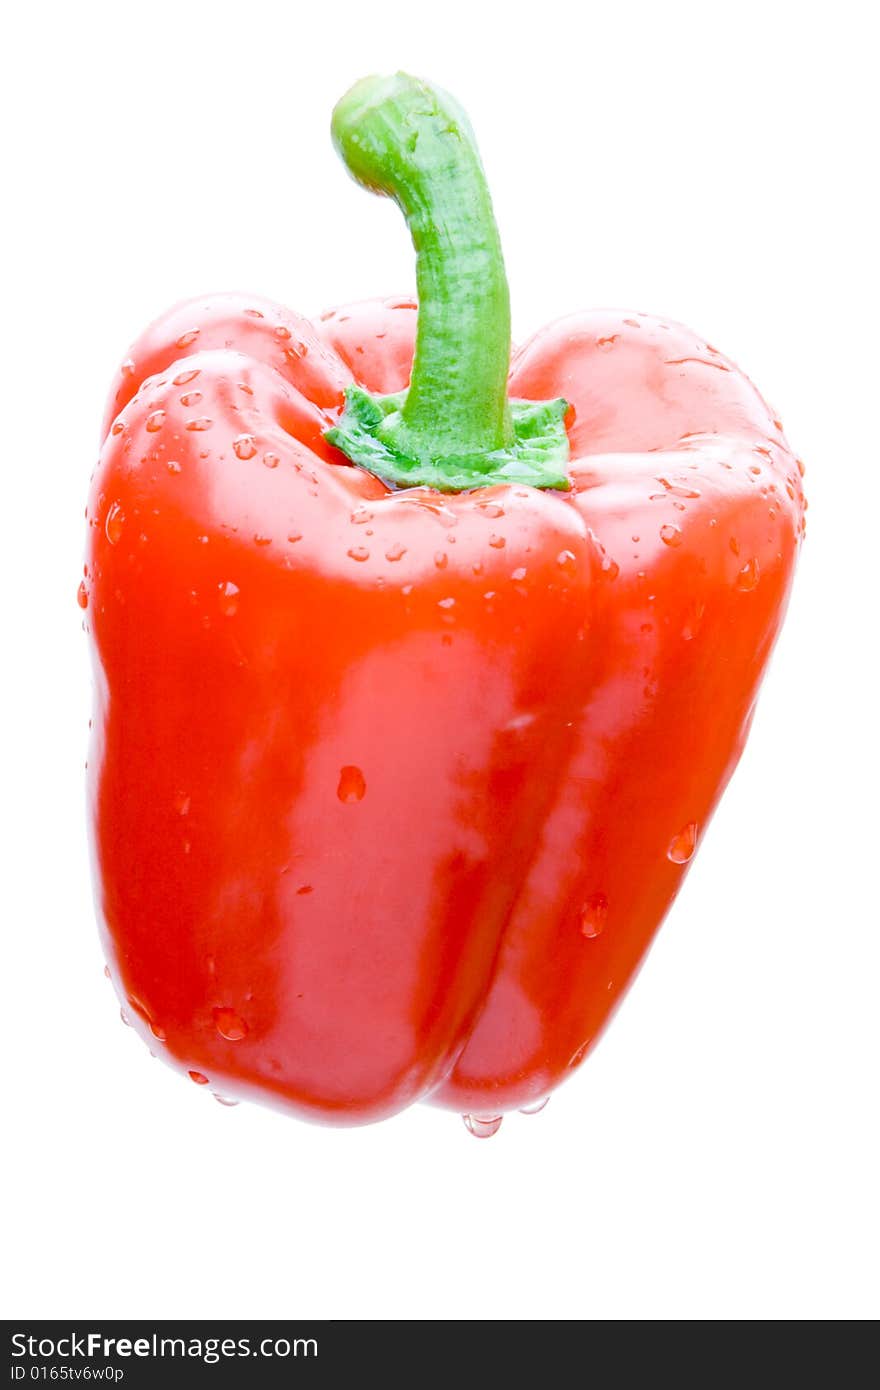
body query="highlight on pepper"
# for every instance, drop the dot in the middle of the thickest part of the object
(421, 661)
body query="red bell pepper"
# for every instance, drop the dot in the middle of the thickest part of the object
(420, 668)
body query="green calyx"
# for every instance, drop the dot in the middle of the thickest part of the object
(454, 428)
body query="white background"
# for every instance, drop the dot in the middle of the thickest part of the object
(718, 1155)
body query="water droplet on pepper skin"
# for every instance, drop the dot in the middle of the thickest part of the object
(670, 535)
(198, 1077)
(221, 1100)
(201, 422)
(352, 785)
(186, 339)
(183, 378)
(155, 421)
(482, 1126)
(748, 577)
(359, 553)
(441, 559)
(190, 398)
(229, 1025)
(682, 846)
(593, 915)
(114, 524)
(395, 552)
(229, 599)
(535, 1108)
(82, 595)
(244, 447)
(497, 542)
(270, 461)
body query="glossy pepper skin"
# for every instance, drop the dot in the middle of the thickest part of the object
(390, 788)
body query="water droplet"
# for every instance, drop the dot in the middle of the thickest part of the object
(190, 398)
(446, 603)
(173, 466)
(198, 1077)
(221, 1100)
(608, 342)
(229, 1025)
(441, 559)
(610, 568)
(395, 552)
(127, 367)
(253, 313)
(125, 1018)
(282, 333)
(182, 803)
(298, 350)
(567, 561)
(107, 971)
(82, 595)
(593, 915)
(183, 378)
(244, 447)
(482, 1126)
(201, 422)
(535, 1108)
(228, 599)
(497, 542)
(294, 537)
(748, 576)
(358, 552)
(114, 524)
(681, 848)
(117, 427)
(352, 785)
(693, 620)
(304, 890)
(360, 515)
(270, 460)
(800, 466)
(519, 574)
(155, 421)
(491, 509)
(678, 489)
(186, 339)
(670, 535)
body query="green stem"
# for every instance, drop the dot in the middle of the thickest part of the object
(404, 138)
(453, 428)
